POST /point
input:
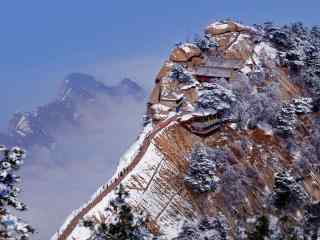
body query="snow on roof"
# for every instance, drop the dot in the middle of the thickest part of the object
(212, 71)
(220, 62)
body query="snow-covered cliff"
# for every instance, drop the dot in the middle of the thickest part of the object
(232, 136)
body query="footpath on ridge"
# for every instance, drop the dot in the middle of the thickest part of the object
(142, 150)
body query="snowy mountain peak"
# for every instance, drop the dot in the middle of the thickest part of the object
(38, 127)
(76, 79)
(130, 84)
(86, 86)
(128, 87)
(80, 84)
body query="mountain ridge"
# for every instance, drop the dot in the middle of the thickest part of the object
(37, 127)
(241, 149)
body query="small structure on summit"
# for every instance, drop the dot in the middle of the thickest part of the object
(214, 107)
(217, 55)
(201, 124)
(217, 67)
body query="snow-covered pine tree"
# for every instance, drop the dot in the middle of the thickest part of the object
(201, 172)
(206, 43)
(180, 74)
(208, 228)
(120, 222)
(288, 192)
(216, 99)
(285, 122)
(261, 229)
(11, 227)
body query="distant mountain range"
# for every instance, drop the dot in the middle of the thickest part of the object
(77, 90)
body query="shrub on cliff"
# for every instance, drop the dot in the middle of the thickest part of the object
(288, 193)
(179, 73)
(215, 228)
(285, 122)
(204, 164)
(201, 172)
(216, 99)
(206, 43)
(261, 229)
(123, 223)
(312, 218)
(299, 50)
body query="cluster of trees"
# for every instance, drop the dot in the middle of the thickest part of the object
(285, 122)
(201, 175)
(287, 196)
(214, 228)
(204, 164)
(11, 226)
(312, 219)
(300, 51)
(267, 227)
(216, 99)
(125, 223)
(120, 221)
(206, 43)
(178, 72)
(288, 193)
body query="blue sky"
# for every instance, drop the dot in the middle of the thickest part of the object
(42, 41)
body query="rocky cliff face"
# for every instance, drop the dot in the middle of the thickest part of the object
(231, 148)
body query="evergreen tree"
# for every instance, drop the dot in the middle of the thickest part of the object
(123, 223)
(288, 192)
(206, 43)
(261, 230)
(201, 172)
(11, 227)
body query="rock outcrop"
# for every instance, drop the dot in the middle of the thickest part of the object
(250, 99)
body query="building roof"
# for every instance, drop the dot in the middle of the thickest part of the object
(212, 72)
(219, 62)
